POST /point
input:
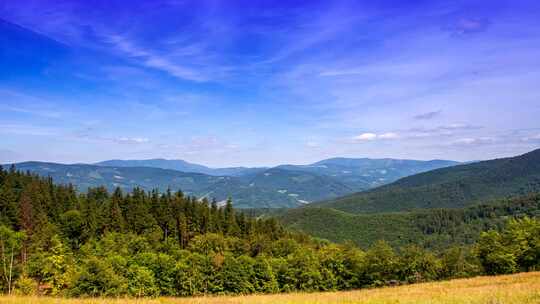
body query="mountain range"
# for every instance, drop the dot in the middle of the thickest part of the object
(260, 187)
(179, 165)
(432, 203)
(450, 187)
(434, 208)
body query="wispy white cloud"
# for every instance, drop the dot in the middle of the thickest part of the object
(312, 144)
(458, 126)
(532, 138)
(150, 59)
(373, 136)
(365, 136)
(469, 141)
(92, 135)
(441, 130)
(131, 140)
(31, 111)
(28, 129)
(389, 135)
(18, 102)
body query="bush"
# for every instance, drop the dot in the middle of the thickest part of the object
(141, 282)
(26, 286)
(97, 278)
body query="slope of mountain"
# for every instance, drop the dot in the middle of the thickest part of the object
(298, 184)
(179, 165)
(272, 189)
(365, 173)
(437, 228)
(357, 174)
(282, 186)
(451, 187)
(84, 176)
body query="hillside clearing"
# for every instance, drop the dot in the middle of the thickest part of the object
(510, 289)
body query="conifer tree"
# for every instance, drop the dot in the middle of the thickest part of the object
(116, 219)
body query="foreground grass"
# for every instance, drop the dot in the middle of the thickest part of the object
(510, 289)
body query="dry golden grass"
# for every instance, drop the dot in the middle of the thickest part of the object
(512, 289)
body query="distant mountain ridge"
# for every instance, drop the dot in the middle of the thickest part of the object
(262, 190)
(450, 187)
(179, 165)
(148, 178)
(365, 173)
(282, 186)
(358, 174)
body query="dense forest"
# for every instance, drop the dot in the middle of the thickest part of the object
(56, 241)
(428, 228)
(283, 186)
(452, 187)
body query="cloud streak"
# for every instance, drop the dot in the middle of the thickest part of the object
(428, 115)
(152, 60)
(372, 136)
(260, 83)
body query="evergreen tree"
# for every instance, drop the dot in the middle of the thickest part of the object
(116, 220)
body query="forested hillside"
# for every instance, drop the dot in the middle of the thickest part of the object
(180, 165)
(452, 187)
(280, 187)
(431, 228)
(356, 174)
(272, 189)
(366, 173)
(56, 241)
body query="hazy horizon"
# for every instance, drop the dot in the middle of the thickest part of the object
(191, 162)
(262, 84)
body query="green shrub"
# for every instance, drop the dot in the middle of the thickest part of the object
(26, 286)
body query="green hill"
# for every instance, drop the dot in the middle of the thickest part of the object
(355, 174)
(274, 188)
(300, 184)
(365, 173)
(436, 228)
(451, 187)
(281, 187)
(179, 165)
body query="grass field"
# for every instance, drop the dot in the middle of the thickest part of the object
(511, 289)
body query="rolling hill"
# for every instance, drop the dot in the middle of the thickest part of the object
(273, 189)
(451, 187)
(84, 176)
(356, 174)
(179, 165)
(279, 187)
(303, 184)
(365, 173)
(434, 228)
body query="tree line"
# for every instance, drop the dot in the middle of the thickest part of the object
(56, 241)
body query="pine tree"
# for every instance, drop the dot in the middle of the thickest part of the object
(116, 219)
(231, 226)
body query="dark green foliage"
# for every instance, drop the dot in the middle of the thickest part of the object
(282, 186)
(432, 228)
(146, 244)
(452, 187)
(263, 189)
(97, 277)
(516, 248)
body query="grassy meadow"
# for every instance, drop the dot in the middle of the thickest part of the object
(509, 289)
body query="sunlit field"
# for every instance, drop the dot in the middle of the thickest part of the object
(510, 289)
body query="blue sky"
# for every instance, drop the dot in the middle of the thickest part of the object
(228, 83)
